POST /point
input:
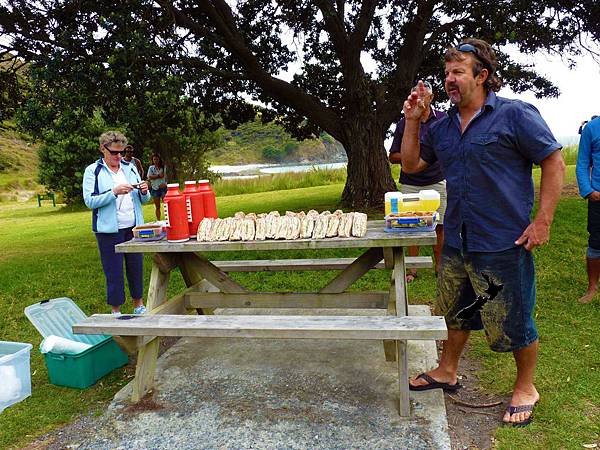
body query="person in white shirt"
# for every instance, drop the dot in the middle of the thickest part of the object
(115, 191)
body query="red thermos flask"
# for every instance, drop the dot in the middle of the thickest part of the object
(195, 207)
(176, 214)
(210, 201)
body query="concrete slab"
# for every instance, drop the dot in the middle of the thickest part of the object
(277, 394)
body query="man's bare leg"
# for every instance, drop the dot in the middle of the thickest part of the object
(524, 392)
(157, 207)
(411, 274)
(446, 371)
(593, 272)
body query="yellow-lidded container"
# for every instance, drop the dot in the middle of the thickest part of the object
(430, 199)
(424, 200)
(392, 200)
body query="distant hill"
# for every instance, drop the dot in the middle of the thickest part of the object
(254, 142)
(18, 165)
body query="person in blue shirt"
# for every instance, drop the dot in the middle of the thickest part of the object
(115, 191)
(430, 178)
(588, 180)
(487, 146)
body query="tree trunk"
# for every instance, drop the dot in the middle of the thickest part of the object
(369, 176)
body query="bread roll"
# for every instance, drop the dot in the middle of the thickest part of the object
(359, 224)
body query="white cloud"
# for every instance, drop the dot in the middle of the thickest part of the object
(579, 94)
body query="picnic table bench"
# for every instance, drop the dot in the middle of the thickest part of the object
(210, 287)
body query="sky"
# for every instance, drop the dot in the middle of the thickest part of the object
(579, 98)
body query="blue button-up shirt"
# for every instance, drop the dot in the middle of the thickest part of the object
(488, 171)
(588, 159)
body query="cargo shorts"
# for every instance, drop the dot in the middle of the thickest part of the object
(490, 291)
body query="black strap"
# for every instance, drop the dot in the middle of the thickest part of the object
(96, 172)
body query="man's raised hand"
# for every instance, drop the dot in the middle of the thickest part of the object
(414, 106)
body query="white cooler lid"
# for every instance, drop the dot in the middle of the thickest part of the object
(56, 317)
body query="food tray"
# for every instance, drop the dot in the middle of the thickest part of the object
(149, 232)
(417, 221)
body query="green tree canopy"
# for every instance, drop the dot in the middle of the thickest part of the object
(229, 51)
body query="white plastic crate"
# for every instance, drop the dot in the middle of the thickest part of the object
(14, 373)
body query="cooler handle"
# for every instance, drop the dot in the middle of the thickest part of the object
(410, 197)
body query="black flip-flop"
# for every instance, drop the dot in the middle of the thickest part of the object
(434, 384)
(517, 409)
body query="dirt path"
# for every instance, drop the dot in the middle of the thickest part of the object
(471, 427)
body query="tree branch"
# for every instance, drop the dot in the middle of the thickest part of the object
(443, 29)
(220, 15)
(341, 4)
(334, 26)
(363, 24)
(410, 58)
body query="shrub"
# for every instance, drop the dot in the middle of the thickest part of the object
(271, 153)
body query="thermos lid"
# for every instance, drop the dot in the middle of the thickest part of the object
(203, 181)
(173, 185)
(190, 182)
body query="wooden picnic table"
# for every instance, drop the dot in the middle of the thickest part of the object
(210, 287)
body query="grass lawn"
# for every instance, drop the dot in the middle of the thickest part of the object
(51, 252)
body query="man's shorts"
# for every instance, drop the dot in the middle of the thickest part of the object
(440, 187)
(490, 291)
(158, 193)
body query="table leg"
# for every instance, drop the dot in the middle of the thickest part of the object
(403, 389)
(389, 347)
(144, 370)
(148, 353)
(399, 305)
(195, 267)
(354, 271)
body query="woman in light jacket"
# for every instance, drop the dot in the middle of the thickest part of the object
(114, 190)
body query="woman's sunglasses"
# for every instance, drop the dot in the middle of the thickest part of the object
(114, 152)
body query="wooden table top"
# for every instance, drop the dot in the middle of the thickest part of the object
(375, 237)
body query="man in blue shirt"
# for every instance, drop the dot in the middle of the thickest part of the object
(486, 147)
(430, 178)
(588, 179)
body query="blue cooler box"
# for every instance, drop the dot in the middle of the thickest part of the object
(81, 370)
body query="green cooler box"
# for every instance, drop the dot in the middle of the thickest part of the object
(81, 370)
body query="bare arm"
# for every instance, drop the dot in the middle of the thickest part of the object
(395, 158)
(538, 232)
(410, 153)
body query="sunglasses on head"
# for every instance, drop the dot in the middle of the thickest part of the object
(114, 152)
(470, 48)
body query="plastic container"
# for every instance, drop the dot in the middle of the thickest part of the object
(408, 223)
(392, 200)
(209, 199)
(424, 200)
(15, 373)
(148, 232)
(86, 368)
(195, 207)
(176, 214)
(81, 370)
